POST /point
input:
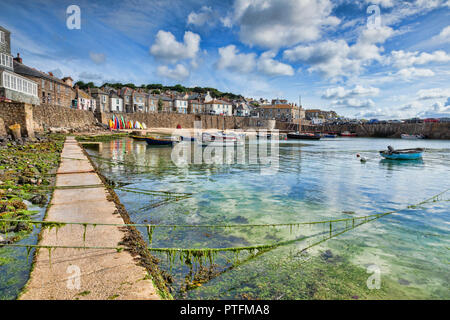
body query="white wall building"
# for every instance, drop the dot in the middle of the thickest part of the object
(219, 107)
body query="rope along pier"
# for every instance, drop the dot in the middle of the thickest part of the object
(209, 252)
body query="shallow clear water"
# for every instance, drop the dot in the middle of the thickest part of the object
(318, 180)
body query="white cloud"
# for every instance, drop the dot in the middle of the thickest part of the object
(206, 15)
(268, 66)
(168, 49)
(383, 3)
(234, 61)
(231, 59)
(409, 73)
(434, 93)
(354, 103)
(97, 58)
(437, 110)
(443, 36)
(335, 59)
(402, 59)
(341, 92)
(180, 72)
(277, 23)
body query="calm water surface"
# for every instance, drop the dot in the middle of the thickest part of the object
(316, 181)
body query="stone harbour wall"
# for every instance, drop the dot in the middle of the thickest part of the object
(17, 113)
(51, 116)
(172, 120)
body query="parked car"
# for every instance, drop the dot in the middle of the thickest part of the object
(371, 121)
(431, 120)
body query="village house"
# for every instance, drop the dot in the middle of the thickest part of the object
(51, 90)
(12, 85)
(152, 103)
(218, 107)
(180, 104)
(241, 109)
(281, 112)
(115, 102)
(167, 104)
(196, 106)
(83, 101)
(317, 116)
(127, 95)
(101, 99)
(139, 101)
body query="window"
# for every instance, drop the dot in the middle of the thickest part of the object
(43, 84)
(6, 60)
(17, 83)
(51, 85)
(2, 37)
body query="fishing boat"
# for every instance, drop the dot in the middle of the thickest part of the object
(304, 135)
(329, 135)
(412, 136)
(348, 134)
(402, 154)
(157, 141)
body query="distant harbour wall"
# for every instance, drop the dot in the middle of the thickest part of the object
(440, 130)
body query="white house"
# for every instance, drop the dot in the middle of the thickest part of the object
(115, 102)
(218, 107)
(180, 105)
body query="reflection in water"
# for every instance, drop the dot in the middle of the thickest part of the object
(317, 181)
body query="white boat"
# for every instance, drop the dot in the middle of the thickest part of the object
(412, 136)
(221, 139)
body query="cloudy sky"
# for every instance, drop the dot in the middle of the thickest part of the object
(372, 59)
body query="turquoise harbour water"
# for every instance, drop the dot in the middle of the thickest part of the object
(316, 181)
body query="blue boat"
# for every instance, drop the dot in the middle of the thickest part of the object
(402, 154)
(159, 141)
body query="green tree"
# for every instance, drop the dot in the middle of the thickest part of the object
(160, 105)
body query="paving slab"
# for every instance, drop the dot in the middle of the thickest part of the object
(84, 274)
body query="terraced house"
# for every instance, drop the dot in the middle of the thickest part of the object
(12, 85)
(101, 99)
(281, 112)
(51, 90)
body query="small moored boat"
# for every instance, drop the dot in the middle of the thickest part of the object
(412, 136)
(153, 141)
(348, 134)
(138, 138)
(402, 154)
(305, 136)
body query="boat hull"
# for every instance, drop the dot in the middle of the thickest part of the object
(159, 142)
(302, 136)
(405, 154)
(138, 138)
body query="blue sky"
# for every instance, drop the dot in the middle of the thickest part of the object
(335, 54)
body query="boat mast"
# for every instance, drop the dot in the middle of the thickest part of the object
(299, 117)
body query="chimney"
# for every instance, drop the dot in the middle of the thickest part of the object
(50, 74)
(18, 58)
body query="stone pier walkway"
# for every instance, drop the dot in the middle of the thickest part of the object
(103, 274)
